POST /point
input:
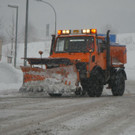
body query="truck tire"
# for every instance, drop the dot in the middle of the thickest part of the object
(80, 92)
(85, 86)
(96, 85)
(118, 85)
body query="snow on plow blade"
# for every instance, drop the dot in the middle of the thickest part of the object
(52, 81)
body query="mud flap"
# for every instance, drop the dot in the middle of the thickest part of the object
(55, 80)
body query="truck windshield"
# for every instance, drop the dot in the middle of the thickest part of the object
(74, 44)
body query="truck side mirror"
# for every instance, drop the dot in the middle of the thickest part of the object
(52, 44)
(102, 47)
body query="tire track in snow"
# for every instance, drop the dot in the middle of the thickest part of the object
(46, 115)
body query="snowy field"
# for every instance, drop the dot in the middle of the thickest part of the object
(42, 115)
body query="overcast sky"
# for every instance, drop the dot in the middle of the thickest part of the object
(118, 15)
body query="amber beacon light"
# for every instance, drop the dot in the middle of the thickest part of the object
(93, 31)
(64, 32)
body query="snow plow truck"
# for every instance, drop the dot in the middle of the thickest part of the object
(80, 62)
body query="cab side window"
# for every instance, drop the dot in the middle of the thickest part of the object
(90, 43)
(101, 45)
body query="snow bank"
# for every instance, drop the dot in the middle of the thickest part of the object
(10, 78)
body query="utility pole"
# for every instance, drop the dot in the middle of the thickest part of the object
(26, 32)
(12, 37)
(16, 7)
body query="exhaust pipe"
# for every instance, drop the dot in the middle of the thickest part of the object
(52, 44)
(108, 59)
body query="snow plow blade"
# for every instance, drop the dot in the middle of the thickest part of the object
(56, 80)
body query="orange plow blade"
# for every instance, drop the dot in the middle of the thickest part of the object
(52, 81)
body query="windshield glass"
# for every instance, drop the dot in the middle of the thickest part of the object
(74, 44)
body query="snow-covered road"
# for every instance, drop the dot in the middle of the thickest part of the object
(37, 114)
(107, 115)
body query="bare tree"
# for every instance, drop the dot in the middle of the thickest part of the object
(32, 33)
(2, 37)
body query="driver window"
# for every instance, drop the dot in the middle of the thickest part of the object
(101, 45)
(90, 44)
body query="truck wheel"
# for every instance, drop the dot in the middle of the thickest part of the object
(84, 84)
(118, 86)
(78, 91)
(96, 85)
